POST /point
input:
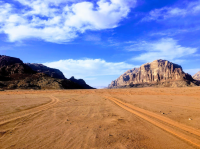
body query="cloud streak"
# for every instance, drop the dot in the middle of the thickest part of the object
(165, 48)
(60, 21)
(192, 9)
(86, 68)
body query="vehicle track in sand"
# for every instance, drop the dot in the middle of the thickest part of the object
(170, 104)
(184, 132)
(14, 116)
(174, 105)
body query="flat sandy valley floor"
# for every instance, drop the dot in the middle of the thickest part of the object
(145, 118)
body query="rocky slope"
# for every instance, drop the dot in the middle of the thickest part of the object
(196, 76)
(14, 74)
(6, 60)
(54, 73)
(81, 82)
(157, 73)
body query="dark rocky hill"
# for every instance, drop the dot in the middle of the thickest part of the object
(52, 72)
(55, 73)
(6, 60)
(14, 74)
(157, 73)
(81, 82)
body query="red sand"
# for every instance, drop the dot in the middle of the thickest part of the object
(149, 118)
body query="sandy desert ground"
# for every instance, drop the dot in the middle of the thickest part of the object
(143, 118)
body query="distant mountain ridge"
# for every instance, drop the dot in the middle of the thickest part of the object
(56, 73)
(81, 82)
(157, 73)
(52, 72)
(14, 74)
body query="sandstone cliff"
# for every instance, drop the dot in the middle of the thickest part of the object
(124, 79)
(196, 76)
(157, 73)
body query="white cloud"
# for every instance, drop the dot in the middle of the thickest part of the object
(62, 20)
(89, 68)
(192, 8)
(166, 48)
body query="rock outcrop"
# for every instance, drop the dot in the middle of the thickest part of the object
(6, 60)
(196, 76)
(14, 74)
(52, 72)
(125, 78)
(157, 73)
(55, 73)
(81, 82)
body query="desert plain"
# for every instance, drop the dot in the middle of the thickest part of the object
(136, 118)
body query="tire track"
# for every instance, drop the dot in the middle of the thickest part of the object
(12, 117)
(184, 132)
(174, 105)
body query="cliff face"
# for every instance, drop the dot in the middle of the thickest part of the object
(54, 73)
(124, 79)
(196, 76)
(156, 72)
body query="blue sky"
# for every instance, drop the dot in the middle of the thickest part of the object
(98, 40)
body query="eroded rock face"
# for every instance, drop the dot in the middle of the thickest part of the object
(124, 79)
(52, 72)
(156, 72)
(196, 76)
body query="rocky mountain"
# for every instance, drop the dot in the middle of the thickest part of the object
(196, 76)
(14, 74)
(125, 78)
(6, 60)
(55, 73)
(52, 72)
(81, 82)
(157, 73)
(37, 81)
